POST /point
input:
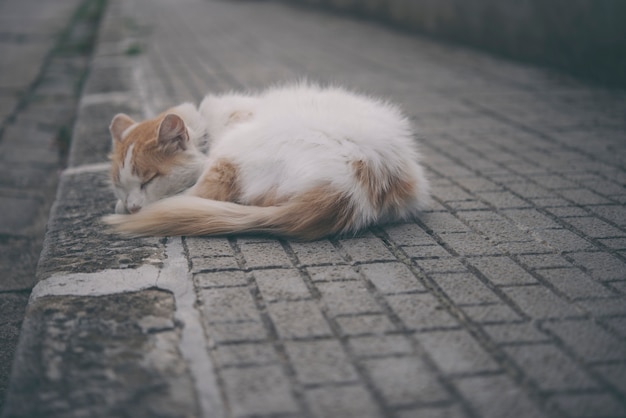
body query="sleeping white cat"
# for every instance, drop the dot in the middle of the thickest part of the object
(298, 161)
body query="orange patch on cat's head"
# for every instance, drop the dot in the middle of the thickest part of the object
(156, 144)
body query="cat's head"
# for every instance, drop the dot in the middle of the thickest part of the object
(151, 160)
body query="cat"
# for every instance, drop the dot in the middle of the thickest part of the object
(297, 161)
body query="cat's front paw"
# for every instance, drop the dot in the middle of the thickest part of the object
(120, 208)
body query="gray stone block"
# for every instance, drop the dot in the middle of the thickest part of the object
(391, 277)
(347, 298)
(368, 324)
(264, 255)
(539, 302)
(229, 304)
(301, 319)
(575, 284)
(320, 361)
(281, 285)
(502, 270)
(315, 253)
(465, 288)
(549, 368)
(405, 380)
(588, 340)
(480, 391)
(331, 402)
(221, 279)
(261, 390)
(91, 356)
(380, 345)
(366, 249)
(420, 311)
(456, 351)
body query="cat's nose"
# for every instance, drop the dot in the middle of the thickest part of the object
(134, 208)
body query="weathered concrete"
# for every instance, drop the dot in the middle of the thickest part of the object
(507, 295)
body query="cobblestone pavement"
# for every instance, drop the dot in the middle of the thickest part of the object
(44, 49)
(506, 298)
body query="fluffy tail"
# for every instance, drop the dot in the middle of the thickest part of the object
(308, 217)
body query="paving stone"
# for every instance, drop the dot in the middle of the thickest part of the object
(329, 273)
(405, 380)
(321, 361)
(469, 244)
(604, 306)
(465, 288)
(246, 354)
(258, 390)
(349, 297)
(534, 261)
(391, 277)
(300, 319)
(445, 411)
(331, 402)
(550, 368)
(480, 392)
(218, 263)
(502, 270)
(420, 311)
(588, 340)
(376, 324)
(208, 247)
(601, 266)
(237, 332)
(443, 222)
(615, 374)
(613, 213)
(264, 255)
(530, 218)
(595, 228)
(281, 284)
(366, 249)
(539, 302)
(589, 405)
(456, 351)
(382, 345)
(409, 234)
(221, 279)
(229, 304)
(491, 313)
(441, 265)
(583, 197)
(617, 324)
(614, 243)
(516, 333)
(425, 251)
(319, 252)
(568, 212)
(503, 200)
(574, 283)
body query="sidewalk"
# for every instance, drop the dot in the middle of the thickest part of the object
(506, 298)
(45, 52)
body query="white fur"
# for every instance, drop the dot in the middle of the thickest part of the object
(301, 136)
(288, 140)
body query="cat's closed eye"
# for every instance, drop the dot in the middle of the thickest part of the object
(150, 180)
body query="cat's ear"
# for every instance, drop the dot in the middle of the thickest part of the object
(172, 133)
(119, 124)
